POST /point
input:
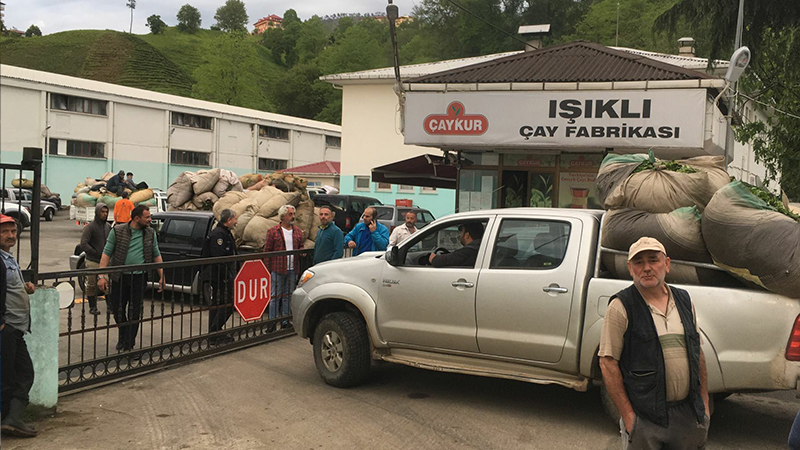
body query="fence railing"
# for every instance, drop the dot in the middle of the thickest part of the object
(138, 327)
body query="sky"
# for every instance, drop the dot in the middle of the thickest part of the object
(52, 16)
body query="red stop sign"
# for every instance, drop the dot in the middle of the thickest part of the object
(252, 290)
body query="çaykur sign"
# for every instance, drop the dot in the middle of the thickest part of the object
(672, 118)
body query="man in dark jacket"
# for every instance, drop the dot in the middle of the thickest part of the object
(93, 240)
(218, 278)
(470, 238)
(16, 365)
(650, 356)
(116, 184)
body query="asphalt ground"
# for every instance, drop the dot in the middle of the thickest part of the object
(270, 397)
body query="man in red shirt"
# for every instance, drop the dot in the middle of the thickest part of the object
(283, 269)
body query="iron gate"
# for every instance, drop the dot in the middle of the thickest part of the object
(172, 326)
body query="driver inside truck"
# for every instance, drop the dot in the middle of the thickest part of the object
(470, 237)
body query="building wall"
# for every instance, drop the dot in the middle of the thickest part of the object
(371, 137)
(138, 136)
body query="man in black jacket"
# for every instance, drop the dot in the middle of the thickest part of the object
(116, 184)
(650, 356)
(218, 278)
(93, 240)
(470, 238)
(16, 366)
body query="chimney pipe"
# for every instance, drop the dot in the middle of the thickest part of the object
(686, 47)
(534, 35)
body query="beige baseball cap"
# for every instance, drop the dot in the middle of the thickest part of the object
(645, 243)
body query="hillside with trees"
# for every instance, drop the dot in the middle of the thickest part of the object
(279, 70)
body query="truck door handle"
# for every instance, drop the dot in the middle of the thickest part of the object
(555, 288)
(464, 284)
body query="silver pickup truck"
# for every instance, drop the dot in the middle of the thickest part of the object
(530, 309)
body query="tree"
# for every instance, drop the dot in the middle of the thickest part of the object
(189, 19)
(155, 24)
(231, 75)
(232, 16)
(132, 5)
(33, 30)
(770, 30)
(312, 40)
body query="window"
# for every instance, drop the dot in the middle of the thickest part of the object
(188, 158)
(384, 213)
(362, 184)
(178, 232)
(530, 244)
(78, 104)
(272, 164)
(191, 120)
(333, 141)
(273, 133)
(86, 149)
(384, 187)
(314, 184)
(427, 190)
(405, 188)
(52, 146)
(446, 236)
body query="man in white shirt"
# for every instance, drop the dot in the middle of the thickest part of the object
(400, 233)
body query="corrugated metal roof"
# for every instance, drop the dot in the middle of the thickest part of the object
(317, 168)
(578, 61)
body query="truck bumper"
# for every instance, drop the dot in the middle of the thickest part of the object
(300, 304)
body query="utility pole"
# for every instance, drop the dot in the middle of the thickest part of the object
(737, 44)
(616, 42)
(132, 5)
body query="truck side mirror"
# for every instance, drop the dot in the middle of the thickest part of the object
(392, 256)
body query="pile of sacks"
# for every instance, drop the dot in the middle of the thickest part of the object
(92, 190)
(199, 191)
(46, 194)
(693, 208)
(257, 207)
(665, 201)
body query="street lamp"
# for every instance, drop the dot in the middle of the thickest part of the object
(739, 61)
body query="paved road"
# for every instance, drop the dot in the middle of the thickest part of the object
(270, 397)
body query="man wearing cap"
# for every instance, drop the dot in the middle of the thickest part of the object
(15, 321)
(658, 385)
(116, 184)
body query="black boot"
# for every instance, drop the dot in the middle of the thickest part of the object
(13, 425)
(93, 305)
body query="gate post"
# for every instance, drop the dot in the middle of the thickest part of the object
(32, 160)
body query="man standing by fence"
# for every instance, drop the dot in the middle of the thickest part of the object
(218, 278)
(15, 321)
(93, 240)
(368, 235)
(330, 240)
(282, 237)
(130, 244)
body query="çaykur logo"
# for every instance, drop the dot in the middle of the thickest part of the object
(456, 122)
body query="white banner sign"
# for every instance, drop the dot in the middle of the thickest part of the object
(665, 118)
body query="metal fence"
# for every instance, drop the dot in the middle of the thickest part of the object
(141, 328)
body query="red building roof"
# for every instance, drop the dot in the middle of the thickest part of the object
(319, 168)
(270, 18)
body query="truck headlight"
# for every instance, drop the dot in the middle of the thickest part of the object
(307, 275)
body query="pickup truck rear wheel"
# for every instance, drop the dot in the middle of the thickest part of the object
(341, 349)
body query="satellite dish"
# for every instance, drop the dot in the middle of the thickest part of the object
(739, 62)
(66, 294)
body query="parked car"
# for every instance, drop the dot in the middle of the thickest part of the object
(393, 216)
(348, 208)
(25, 197)
(20, 213)
(530, 309)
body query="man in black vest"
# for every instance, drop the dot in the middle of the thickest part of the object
(650, 356)
(129, 244)
(218, 278)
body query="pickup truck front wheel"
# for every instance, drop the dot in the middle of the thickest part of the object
(341, 349)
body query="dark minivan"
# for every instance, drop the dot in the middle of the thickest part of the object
(348, 208)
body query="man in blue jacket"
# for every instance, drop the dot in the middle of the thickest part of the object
(369, 235)
(330, 239)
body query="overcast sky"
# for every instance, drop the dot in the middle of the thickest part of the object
(58, 15)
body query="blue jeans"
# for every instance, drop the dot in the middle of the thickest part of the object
(282, 287)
